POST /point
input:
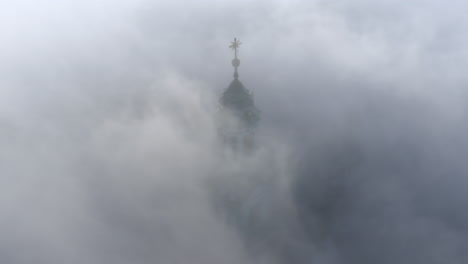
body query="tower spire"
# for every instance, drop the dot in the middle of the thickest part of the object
(240, 116)
(235, 62)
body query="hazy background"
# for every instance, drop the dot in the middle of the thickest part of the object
(108, 143)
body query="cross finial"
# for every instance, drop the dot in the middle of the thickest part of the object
(235, 62)
(235, 45)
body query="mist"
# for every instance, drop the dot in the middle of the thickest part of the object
(109, 149)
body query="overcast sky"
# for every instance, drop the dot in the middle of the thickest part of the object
(108, 139)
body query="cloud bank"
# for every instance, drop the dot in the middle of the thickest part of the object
(109, 151)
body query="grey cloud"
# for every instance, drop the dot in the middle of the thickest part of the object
(108, 143)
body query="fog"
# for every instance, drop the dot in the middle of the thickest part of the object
(109, 149)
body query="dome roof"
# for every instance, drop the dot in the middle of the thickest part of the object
(237, 97)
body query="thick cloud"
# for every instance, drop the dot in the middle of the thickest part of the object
(109, 150)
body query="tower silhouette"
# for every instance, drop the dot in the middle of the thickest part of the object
(239, 116)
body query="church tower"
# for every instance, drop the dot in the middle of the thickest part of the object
(239, 116)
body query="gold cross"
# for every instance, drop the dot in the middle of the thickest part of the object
(235, 45)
